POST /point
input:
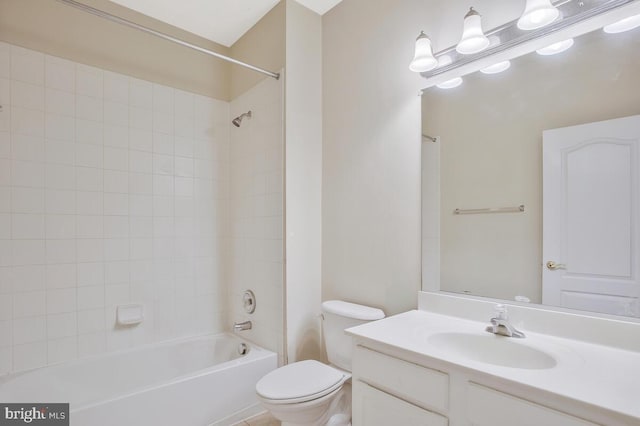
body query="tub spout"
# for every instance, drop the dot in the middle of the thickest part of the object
(241, 326)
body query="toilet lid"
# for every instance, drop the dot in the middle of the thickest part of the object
(300, 381)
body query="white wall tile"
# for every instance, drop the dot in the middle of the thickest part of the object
(27, 148)
(61, 251)
(60, 176)
(89, 108)
(116, 159)
(5, 145)
(60, 350)
(140, 118)
(27, 200)
(28, 356)
(30, 304)
(89, 203)
(60, 74)
(60, 127)
(27, 65)
(140, 93)
(116, 204)
(27, 173)
(60, 201)
(60, 152)
(89, 132)
(89, 81)
(92, 344)
(90, 297)
(98, 206)
(61, 301)
(140, 139)
(60, 102)
(90, 274)
(6, 308)
(27, 226)
(89, 155)
(91, 321)
(28, 252)
(5, 226)
(5, 60)
(116, 87)
(116, 136)
(26, 95)
(116, 113)
(27, 121)
(89, 226)
(89, 179)
(163, 144)
(5, 93)
(116, 226)
(61, 276)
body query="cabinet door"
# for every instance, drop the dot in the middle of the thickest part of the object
(489, 407)
(372, 407)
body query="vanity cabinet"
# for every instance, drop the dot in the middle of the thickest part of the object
(388, 390)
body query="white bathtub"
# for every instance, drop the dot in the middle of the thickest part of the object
(190, 382)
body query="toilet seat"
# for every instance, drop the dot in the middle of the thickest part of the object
(300, 382)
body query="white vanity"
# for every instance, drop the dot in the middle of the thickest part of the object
(426, 368)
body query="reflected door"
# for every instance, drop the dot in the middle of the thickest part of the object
(590, 217)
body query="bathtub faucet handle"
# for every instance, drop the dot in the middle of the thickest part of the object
(242, 326)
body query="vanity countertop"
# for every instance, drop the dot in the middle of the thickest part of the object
(597, 375)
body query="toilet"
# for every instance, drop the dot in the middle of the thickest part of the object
(312, 393)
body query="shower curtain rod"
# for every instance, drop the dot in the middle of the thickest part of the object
(147, 30)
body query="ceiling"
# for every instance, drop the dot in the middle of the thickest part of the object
(222, 21)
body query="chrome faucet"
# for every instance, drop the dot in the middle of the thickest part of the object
(241, 326)
(500, 324)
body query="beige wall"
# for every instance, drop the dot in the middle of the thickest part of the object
(57, 29)
(262, 46)
(371, 143)
(495, 158)
(303, 181)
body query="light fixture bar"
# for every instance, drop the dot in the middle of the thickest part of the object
(573, 12)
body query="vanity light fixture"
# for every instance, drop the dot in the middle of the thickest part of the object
(450, 84)
(496, 68)
(473, 39)
(423, 59)
(555, 48)
(623, 25)
(537, 14)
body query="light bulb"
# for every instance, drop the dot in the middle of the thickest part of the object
(423, 60)
(555, 48)
(473, 39)
(450, 84)
(537, 14)
(623, 25)
(496, 68)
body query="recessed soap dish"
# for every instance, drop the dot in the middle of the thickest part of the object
(130, 314)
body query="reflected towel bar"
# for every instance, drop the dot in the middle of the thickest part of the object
(517, 209)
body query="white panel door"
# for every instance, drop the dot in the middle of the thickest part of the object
(590, 217)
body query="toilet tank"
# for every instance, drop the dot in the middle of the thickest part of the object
(338, 316)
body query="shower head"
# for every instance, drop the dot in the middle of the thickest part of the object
(236, 121)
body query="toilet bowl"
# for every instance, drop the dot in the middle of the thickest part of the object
(312, 393)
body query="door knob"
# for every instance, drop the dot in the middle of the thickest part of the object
(553, 266)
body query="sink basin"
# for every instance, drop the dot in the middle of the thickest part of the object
(492, 349)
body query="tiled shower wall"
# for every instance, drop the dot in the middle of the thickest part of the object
(256, 197)
(113, 190)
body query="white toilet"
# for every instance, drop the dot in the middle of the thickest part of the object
(312, 393)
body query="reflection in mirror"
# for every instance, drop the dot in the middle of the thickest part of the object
(581, 197)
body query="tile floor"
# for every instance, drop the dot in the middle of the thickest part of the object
(263, 419)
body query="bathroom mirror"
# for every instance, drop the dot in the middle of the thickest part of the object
(504, 221)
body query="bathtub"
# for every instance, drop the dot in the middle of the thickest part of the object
(188, 382)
